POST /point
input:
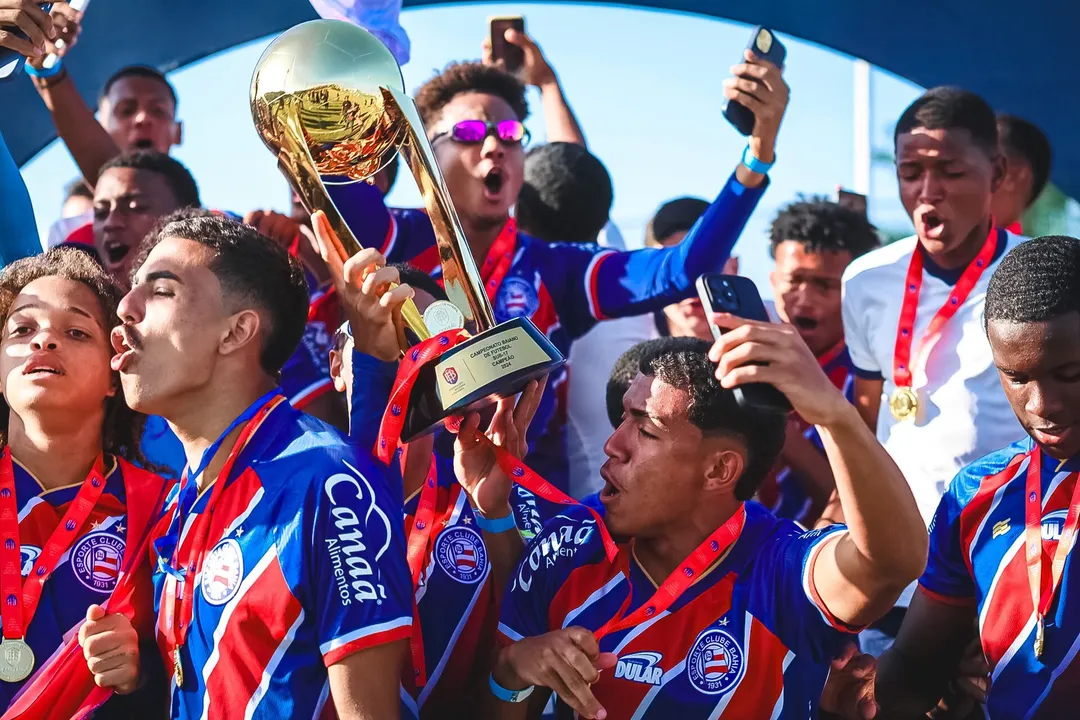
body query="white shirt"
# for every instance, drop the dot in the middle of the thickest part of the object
(592, 356)
(962, 411)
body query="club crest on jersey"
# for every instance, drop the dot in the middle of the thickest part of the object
(640, 667)
(1053, 525)
(516, 298)
(460, 552)
(450, 376)
(28, 554)
(96, 561)
(715, 663)
(222, 572)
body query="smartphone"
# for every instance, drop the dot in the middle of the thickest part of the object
(512, 57)
(10, 61)
(739, 296)
(765, 45)
(851, 200)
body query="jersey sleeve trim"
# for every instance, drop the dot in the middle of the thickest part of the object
(592, 283)
(509, 633)
(338, 649)
(868, 374)
(391, 237)
(811, 589)
(313, 391)
(955, 601)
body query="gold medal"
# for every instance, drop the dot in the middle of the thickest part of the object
(1040, 637)
(178, 668)
(904, 403)
(16, 660)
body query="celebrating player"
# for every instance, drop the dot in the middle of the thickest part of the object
(73, 510)
(282, 577)
(1001, 540)
(752, 610)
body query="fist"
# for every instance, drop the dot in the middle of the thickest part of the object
(111, 648)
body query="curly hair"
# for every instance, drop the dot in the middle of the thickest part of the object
(1036, 281)
(821, 225)
(463, 77)
(122, 428)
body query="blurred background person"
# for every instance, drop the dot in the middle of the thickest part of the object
(1027, 170)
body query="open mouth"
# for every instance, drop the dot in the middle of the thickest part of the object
(143, 144)
(609, 492)
(493, 181)
(805, 323)
(115, 252)
(43, 371)
(933, 223)
(125, 344)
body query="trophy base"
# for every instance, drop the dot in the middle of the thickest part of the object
(495, 364)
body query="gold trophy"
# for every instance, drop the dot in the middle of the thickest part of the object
(329, 100)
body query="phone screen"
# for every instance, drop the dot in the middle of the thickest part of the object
(511, 56)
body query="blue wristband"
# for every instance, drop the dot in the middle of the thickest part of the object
(44, 72)
(497, 525)
(755, 165)
(510, 696)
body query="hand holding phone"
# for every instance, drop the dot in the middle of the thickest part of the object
(27, 29)
(510, 56)
(749, 93)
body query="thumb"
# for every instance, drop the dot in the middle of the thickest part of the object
(605, 661)
(94, 613)
(516, 38)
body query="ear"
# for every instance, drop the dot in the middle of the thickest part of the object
(335, 371)
(243, 331)
(997, 172)
(178, 132)
(724, 465)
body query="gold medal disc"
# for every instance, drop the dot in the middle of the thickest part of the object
(16, 660)
(178, 668)
(904, 403)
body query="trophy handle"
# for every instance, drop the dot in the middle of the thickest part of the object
(461, 278)
(296, 163)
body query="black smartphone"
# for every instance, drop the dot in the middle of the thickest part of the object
(512, 56)
(739, 296)
(10, 61)
(851, 200)
(765, 45)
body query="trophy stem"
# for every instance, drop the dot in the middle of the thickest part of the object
(297, 165)
(461, 278)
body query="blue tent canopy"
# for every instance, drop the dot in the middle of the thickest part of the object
(1019, 57)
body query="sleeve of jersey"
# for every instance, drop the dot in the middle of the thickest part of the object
(18, 230)
(947, 578)
(372, 381)
(620, 284)
(360, 584)
(855, 334)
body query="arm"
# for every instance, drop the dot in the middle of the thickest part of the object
(859, 574)
(89, 143)
(868, 399)
(364, 685)
(915, 672)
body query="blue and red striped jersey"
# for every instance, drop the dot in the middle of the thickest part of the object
(977, 557)
(305, 565)
(306, 374)
(564, 288)
(749, 639)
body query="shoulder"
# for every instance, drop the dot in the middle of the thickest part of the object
(559, 251)
(987, 471)
(567, 541)
(884, 261)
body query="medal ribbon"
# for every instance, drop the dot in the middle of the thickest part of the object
(499, 258)
(21, 602)
(669, 591)
(1042, 598)
(177, 624)
(902, 365)
(417, 552)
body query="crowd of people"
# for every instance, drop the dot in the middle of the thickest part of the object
(207, 510)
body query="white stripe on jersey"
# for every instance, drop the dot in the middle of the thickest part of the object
(1005, 560)
(1019, 642)
(407, 700)
(993, 506)
(271, 667)
(223, 622)
(30, 504)
(724, 701)
(433, 678)
(1054, 676)
(363, 632)
(594, 303)
(637, 630)
(779, 707)
(827, 536)
(510, 632)
(421, 590)
(607, 588)
(324, 695)
(655, 690)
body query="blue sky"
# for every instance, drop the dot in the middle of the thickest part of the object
(646, 87)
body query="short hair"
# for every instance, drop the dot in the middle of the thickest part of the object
(250, 268)
(624, 371)
(78, 188)
(821, 225)
(144, 71)
(566, 195)
(1036, 281)
(176, 175)
(713, 409)
(678, 215)
(123, 427)
(420, 280)
(951, 108)
(1020, 138)
(463, 77)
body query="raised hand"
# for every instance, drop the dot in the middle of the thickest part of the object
(536, 70)
(35, 23)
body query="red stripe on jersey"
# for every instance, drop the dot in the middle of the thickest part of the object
(973, 513)
(256, 628)
(763, 683)
(545, 318)
(235, 500)
(310, 394)
(393, 634)
(592, 284)
(581, 583)
(427, 261)
(815, 596)
(391, 236)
